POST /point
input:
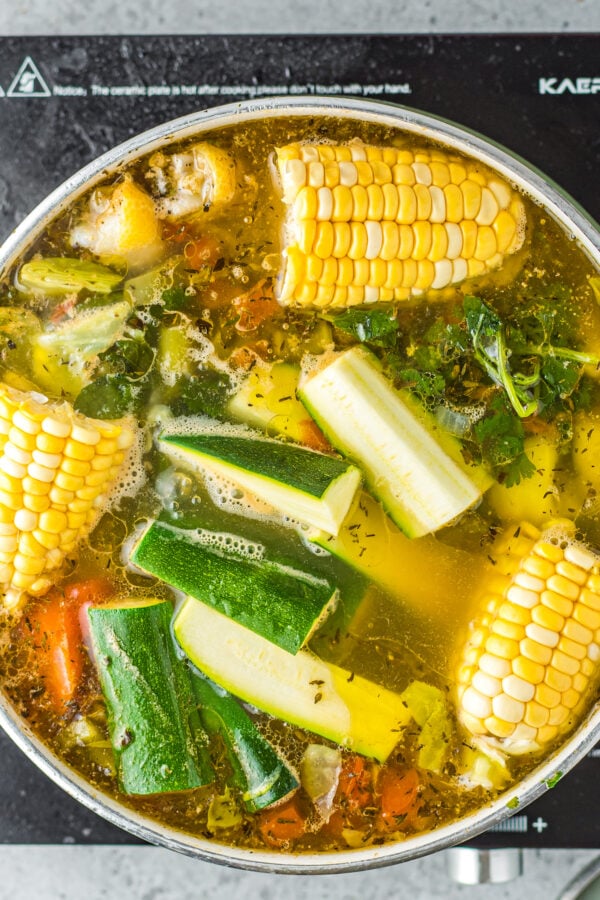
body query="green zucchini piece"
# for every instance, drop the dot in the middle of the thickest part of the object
(421, 487)
(58, 275)
(302, 483)
(154, 725)
(301, 689)
(283, 604)
(259, 772)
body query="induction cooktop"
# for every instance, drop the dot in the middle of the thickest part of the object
(64, 101)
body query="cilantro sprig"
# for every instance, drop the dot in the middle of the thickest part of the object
(501, 370)
(533, 371)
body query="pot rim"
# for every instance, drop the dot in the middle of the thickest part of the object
(541, 190)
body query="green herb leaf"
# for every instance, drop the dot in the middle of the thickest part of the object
(501, 439)
(108, 397)
(205, 394)
(131, 357)
(174, 298)
(427, 385)
(491, 352)
(375, 327)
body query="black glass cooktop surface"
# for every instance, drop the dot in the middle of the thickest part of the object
(63, 101)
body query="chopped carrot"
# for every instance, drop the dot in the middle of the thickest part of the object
(355, 784)
(255, 306)
(204, 251)
(399, 792)
(282, 825)
(55, 624)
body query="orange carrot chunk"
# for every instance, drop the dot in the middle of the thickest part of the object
(399, 792)
(282, 825)
(57, 638)
(355, 784)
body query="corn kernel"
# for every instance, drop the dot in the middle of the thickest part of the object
(549, 551)
(348, 174)
(364, 172)
(425, 274)
(17, 454)
(546, 696)
(315, 174)
(24, 422)
(376, 202)
(345, 272)
(395, 271)
(49, 443)
(410, 273)
(55, 427)
(343, 204)
(360, 203)
(77, 466)
(329, 272)
(563, 662)
(403, 174)
(578, 632)
(530, 671)
(391, 202)
(390, 241)
(557, 680)
(53, 521)
(499, 727)
(35, 503)
(557, 603)
(28, 565)
(507, 629)
(424, 203)
(586, 617)
(572, 648)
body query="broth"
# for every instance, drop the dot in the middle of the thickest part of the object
(190, 321)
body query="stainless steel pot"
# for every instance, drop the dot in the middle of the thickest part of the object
(574, 220)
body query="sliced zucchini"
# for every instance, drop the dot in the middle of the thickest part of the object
(154, 726)
(302, 483)
(420, 485)
(259, 772)
(283, 604)
(301, 689)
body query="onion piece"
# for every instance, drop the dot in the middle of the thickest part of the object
(319, 773)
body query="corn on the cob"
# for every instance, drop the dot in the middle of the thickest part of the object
(527, 669)
(56, 468)
(369, 224)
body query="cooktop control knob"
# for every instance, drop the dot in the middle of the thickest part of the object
(468, 865)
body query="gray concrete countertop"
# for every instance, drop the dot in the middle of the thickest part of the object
(52, 873)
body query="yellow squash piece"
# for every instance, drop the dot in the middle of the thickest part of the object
(532, 657)
(368, 224)
(56, 469)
